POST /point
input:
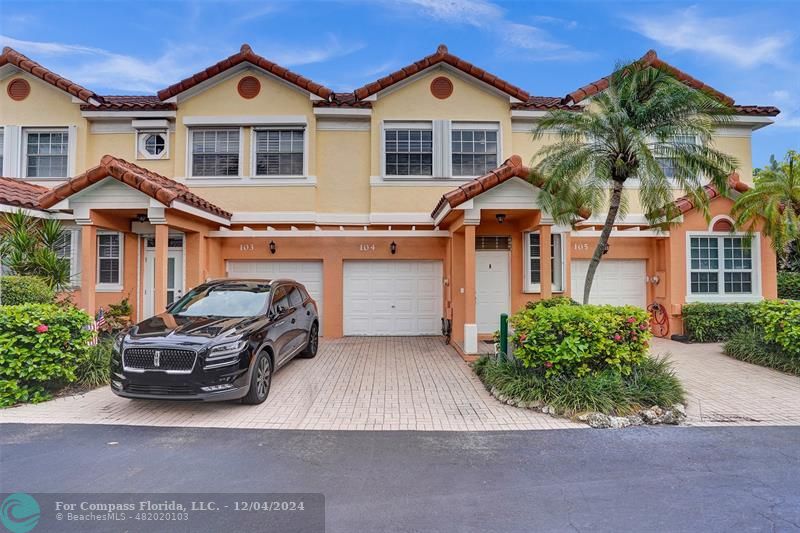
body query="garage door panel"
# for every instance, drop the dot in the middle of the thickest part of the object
(309, 273)
(403, 297)
(616, 282)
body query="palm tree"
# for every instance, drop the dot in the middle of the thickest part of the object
(775, 198)
(641, 128)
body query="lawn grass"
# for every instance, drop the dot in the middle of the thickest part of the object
(650, 383)
(748, 346)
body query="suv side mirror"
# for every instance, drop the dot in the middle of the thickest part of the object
(279, 309)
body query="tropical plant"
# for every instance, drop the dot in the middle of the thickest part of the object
(632, 131)
(30, 246)
(18, 290)
(775, 199)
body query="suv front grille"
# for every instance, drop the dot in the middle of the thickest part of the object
(159, 359)
(160, 390)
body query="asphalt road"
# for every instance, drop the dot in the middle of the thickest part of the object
(637, 479)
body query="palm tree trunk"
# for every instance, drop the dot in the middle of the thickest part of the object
(613, 209)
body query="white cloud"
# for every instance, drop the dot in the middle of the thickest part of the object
(536, 43)
(545, 19)
(99, 68)
(790, 109)
(726, 38)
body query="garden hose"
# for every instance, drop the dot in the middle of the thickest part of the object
(659, 320)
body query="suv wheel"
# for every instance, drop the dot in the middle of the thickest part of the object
(312, 346)
(260, 380)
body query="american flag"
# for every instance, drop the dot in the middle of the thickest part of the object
(94, 327)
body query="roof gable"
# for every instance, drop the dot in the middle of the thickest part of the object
(24, 63)
(148, 182)
(245, 55)
(441, 56)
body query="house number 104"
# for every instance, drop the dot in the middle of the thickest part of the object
(366, 247)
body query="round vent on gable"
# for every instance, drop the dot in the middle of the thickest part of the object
(19, 89)
(249, 87)
(441, 87)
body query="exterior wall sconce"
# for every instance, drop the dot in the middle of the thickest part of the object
(141, 217)
(501, 217)
(272, 247)
(393, 247)
(655, 280)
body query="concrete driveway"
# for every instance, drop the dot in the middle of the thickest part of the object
(354, 383)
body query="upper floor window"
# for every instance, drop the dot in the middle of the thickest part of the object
(533, 261)
(215, 152)
(722, 265)
(279, 152)
(474, 151)
(152, 144)
(667, 164)
(46, 153)
(409, 150)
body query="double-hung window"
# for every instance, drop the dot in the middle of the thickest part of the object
(109, 261)
(409, 149)
(46, 153)
(68, 248)
(667, 164)
(279, 152)
(215, 152)
(722, 266)
(533, 260)
(473, 150)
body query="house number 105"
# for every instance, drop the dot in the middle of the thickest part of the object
(366, 247)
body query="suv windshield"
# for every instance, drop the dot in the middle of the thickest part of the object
(229, 300)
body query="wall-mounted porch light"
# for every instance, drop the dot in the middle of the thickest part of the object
(272, 247)
(393, 247)
(501, 217)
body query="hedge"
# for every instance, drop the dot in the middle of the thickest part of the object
(575, 340)
(18, 290)
(789, 285)
(780, 320)
(41, 345)
(705, 322)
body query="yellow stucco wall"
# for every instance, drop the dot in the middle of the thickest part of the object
(343, 171)
(123, 145)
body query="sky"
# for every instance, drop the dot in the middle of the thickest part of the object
(748, 50)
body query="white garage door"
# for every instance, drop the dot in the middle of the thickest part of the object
(309, 273)
(392, 297)
(616, 282)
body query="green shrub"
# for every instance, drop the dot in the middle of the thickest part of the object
(94, 369)
(749, 345)
(781, 322)
(789, 285)
(40, 347)
(567, 340)
(704, 322)
(551, 302)
(18, 290)
(651, 382)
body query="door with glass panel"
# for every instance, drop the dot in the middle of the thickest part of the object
(175, 285)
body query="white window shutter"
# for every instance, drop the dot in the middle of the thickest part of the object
(442, 167)
(11, 152)
(72, 139)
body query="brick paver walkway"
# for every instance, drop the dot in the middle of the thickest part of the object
(355, 383)
(723, 391)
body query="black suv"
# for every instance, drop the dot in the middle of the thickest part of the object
(222, 341)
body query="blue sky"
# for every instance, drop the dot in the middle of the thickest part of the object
(749, 50)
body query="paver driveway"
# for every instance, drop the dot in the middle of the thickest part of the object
(354, 383)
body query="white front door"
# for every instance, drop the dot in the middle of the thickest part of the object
(616, 282)
(491, 289)
(174, 279)
(394, 297)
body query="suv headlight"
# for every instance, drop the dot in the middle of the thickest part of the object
(226, 349)
(118, 342)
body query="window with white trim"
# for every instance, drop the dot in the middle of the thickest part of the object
(668, 164)
(533, 262)
(215, 152)
(279, 152)
(46, 153)
(152, 144)
(721, 265)
(473, 151)
(109, 259)
(409, 150)
(68, 247)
